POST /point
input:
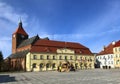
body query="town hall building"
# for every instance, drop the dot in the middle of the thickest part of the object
(42, 54)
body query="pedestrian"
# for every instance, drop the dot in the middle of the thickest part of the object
(58, 69)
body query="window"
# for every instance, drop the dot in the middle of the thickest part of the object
(108, 57)
(111, 56)
(47, 65)
(100, 57)
(41, 65)
(116, 56)
(48, 57)
(53, 57)
(119, 49)
(65, 57)
(71, 57)
(76, 57)
(90, 59)
(104, 57)
(41, 57)
(115, 49)
(60, 57)
(80, 58)
(111, 62)
(116, 62)
(53, 65)
(34, 65)
(34, 57)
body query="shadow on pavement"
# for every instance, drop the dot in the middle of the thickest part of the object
(6, 78)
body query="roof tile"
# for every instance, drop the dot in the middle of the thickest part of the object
(28, 41)
(107, 50)
(52, 46)
(20, 30)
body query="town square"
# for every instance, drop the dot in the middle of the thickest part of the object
(95, 76)
(59, 41)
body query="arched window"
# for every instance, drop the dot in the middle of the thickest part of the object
(71, 57)
(41, 57)
(53, 65)
(34, 57)
(53, 57)
(60, 57)
(65, 57)
(47, 65)
(41, 65)
(34, 65)
(48, 57)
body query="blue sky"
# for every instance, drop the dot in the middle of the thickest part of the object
(93, 23)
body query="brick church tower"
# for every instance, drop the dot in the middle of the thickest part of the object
(18, 36)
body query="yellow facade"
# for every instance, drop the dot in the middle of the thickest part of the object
(85, 61)
(51, 61)
(116, 51)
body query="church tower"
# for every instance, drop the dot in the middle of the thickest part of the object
(18, 36)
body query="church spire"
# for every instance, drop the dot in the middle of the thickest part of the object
(18, 36)
(20, 23)
(20, 29)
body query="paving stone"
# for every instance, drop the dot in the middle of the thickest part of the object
(97, 76)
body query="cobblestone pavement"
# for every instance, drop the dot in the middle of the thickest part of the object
(96, 76)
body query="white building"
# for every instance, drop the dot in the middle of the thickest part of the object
(105, 59)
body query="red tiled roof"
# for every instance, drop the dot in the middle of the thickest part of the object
(52, 43)
(107, 50)
(20, 30)
(52, 46)
(117, 44)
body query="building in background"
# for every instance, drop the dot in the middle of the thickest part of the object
(41, 54)
(105, 58)
(116, 51)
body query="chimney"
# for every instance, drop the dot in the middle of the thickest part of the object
(104, 47)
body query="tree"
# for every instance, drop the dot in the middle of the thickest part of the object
(1, 60)
(1, 56)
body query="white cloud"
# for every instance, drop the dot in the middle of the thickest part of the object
(76, 36)
(9, 18)
(7, 12)
(67, 37)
